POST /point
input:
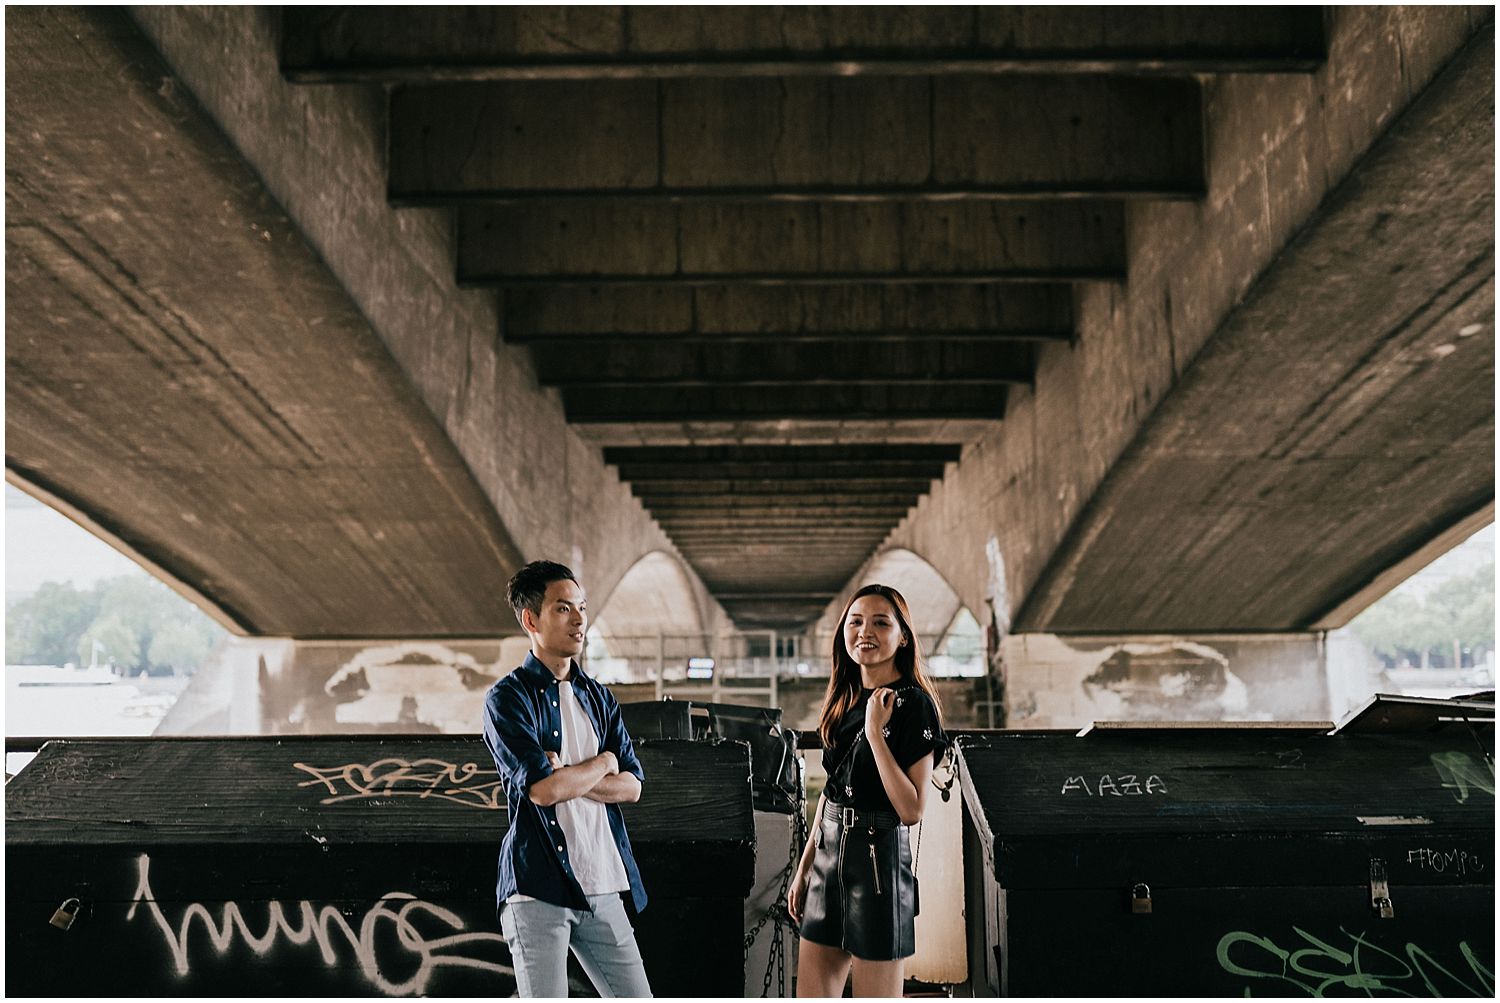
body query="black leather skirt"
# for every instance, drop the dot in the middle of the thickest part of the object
(862, 895)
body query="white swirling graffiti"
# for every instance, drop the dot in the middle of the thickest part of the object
(465, 783)
(302, 923)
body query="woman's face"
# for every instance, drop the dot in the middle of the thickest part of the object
(872, 634)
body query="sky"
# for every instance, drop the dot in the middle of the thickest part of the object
(42, 545)
(1464, 559)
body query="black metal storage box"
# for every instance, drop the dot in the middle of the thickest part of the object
(1229, 863)
(334, 866)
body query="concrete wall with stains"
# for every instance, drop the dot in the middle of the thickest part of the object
(1069, 682)
(282, 687)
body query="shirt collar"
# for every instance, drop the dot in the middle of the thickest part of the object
(540, 674)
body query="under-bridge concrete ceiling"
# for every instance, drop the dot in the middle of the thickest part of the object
(783, 263)
(785, 269)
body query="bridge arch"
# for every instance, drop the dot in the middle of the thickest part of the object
(654, 596)
(945, 626)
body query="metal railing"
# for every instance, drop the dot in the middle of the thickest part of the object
(728, 667)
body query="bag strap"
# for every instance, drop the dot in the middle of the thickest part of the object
(943, 789)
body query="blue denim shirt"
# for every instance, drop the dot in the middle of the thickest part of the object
(522, 723)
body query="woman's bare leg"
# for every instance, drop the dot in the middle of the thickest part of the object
(821, 970)
(879, 978)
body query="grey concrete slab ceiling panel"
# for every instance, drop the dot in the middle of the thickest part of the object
(600, 362)
(807, 401)
(788, 138)
(584, 43)
(995, 311)
(838, 430)
(808, 243)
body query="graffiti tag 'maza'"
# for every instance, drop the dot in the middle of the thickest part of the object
(1118, 785)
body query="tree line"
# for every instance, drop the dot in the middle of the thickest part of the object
(139, 624)
(1451, 626)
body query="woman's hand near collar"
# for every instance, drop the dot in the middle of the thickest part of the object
(879, 708)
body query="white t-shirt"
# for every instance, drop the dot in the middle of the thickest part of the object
(585, 823)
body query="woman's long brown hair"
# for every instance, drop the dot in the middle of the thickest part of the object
(844, 679)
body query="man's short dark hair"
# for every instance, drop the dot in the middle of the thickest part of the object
(528, 587)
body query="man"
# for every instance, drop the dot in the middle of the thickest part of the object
(568, 763)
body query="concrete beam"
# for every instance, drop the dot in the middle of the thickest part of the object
(865, 502)
(183, 372)
(740, 523)
(1371, 343)
(755, 566)
(815, 243)
(774, 432)
(790, 138)
(583, 43)
(652, 490)
(1018, 311)
(645, 473)
(755, 563)
(651, 363)
(320, 154)
(798, 537)
(704, 405)
(886, 453)
(1399, 572)
(771, 613)
(711, 507)
(784, 594)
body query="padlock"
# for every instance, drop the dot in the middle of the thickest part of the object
(1140, 899)
(65, 915)
(1380, 890)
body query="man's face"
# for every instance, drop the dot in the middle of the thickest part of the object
(559, 627)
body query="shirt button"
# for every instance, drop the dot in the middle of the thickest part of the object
(559, 847)
(552, 820)
(554, 734)
(554, 703)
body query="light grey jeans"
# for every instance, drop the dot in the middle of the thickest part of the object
(540, 933)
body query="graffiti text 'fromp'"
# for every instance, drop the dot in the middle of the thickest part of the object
(465, 783)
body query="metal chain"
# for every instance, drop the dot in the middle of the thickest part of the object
(776, 959)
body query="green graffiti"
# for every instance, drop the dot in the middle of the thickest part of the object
(1460, 773)
(1314, 966)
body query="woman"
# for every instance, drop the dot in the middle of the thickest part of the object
(854, 893)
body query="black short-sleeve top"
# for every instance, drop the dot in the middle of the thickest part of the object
(914, 731)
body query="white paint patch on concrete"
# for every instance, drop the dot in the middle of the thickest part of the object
(422, 683)
(996, 589)
(1058, 682)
